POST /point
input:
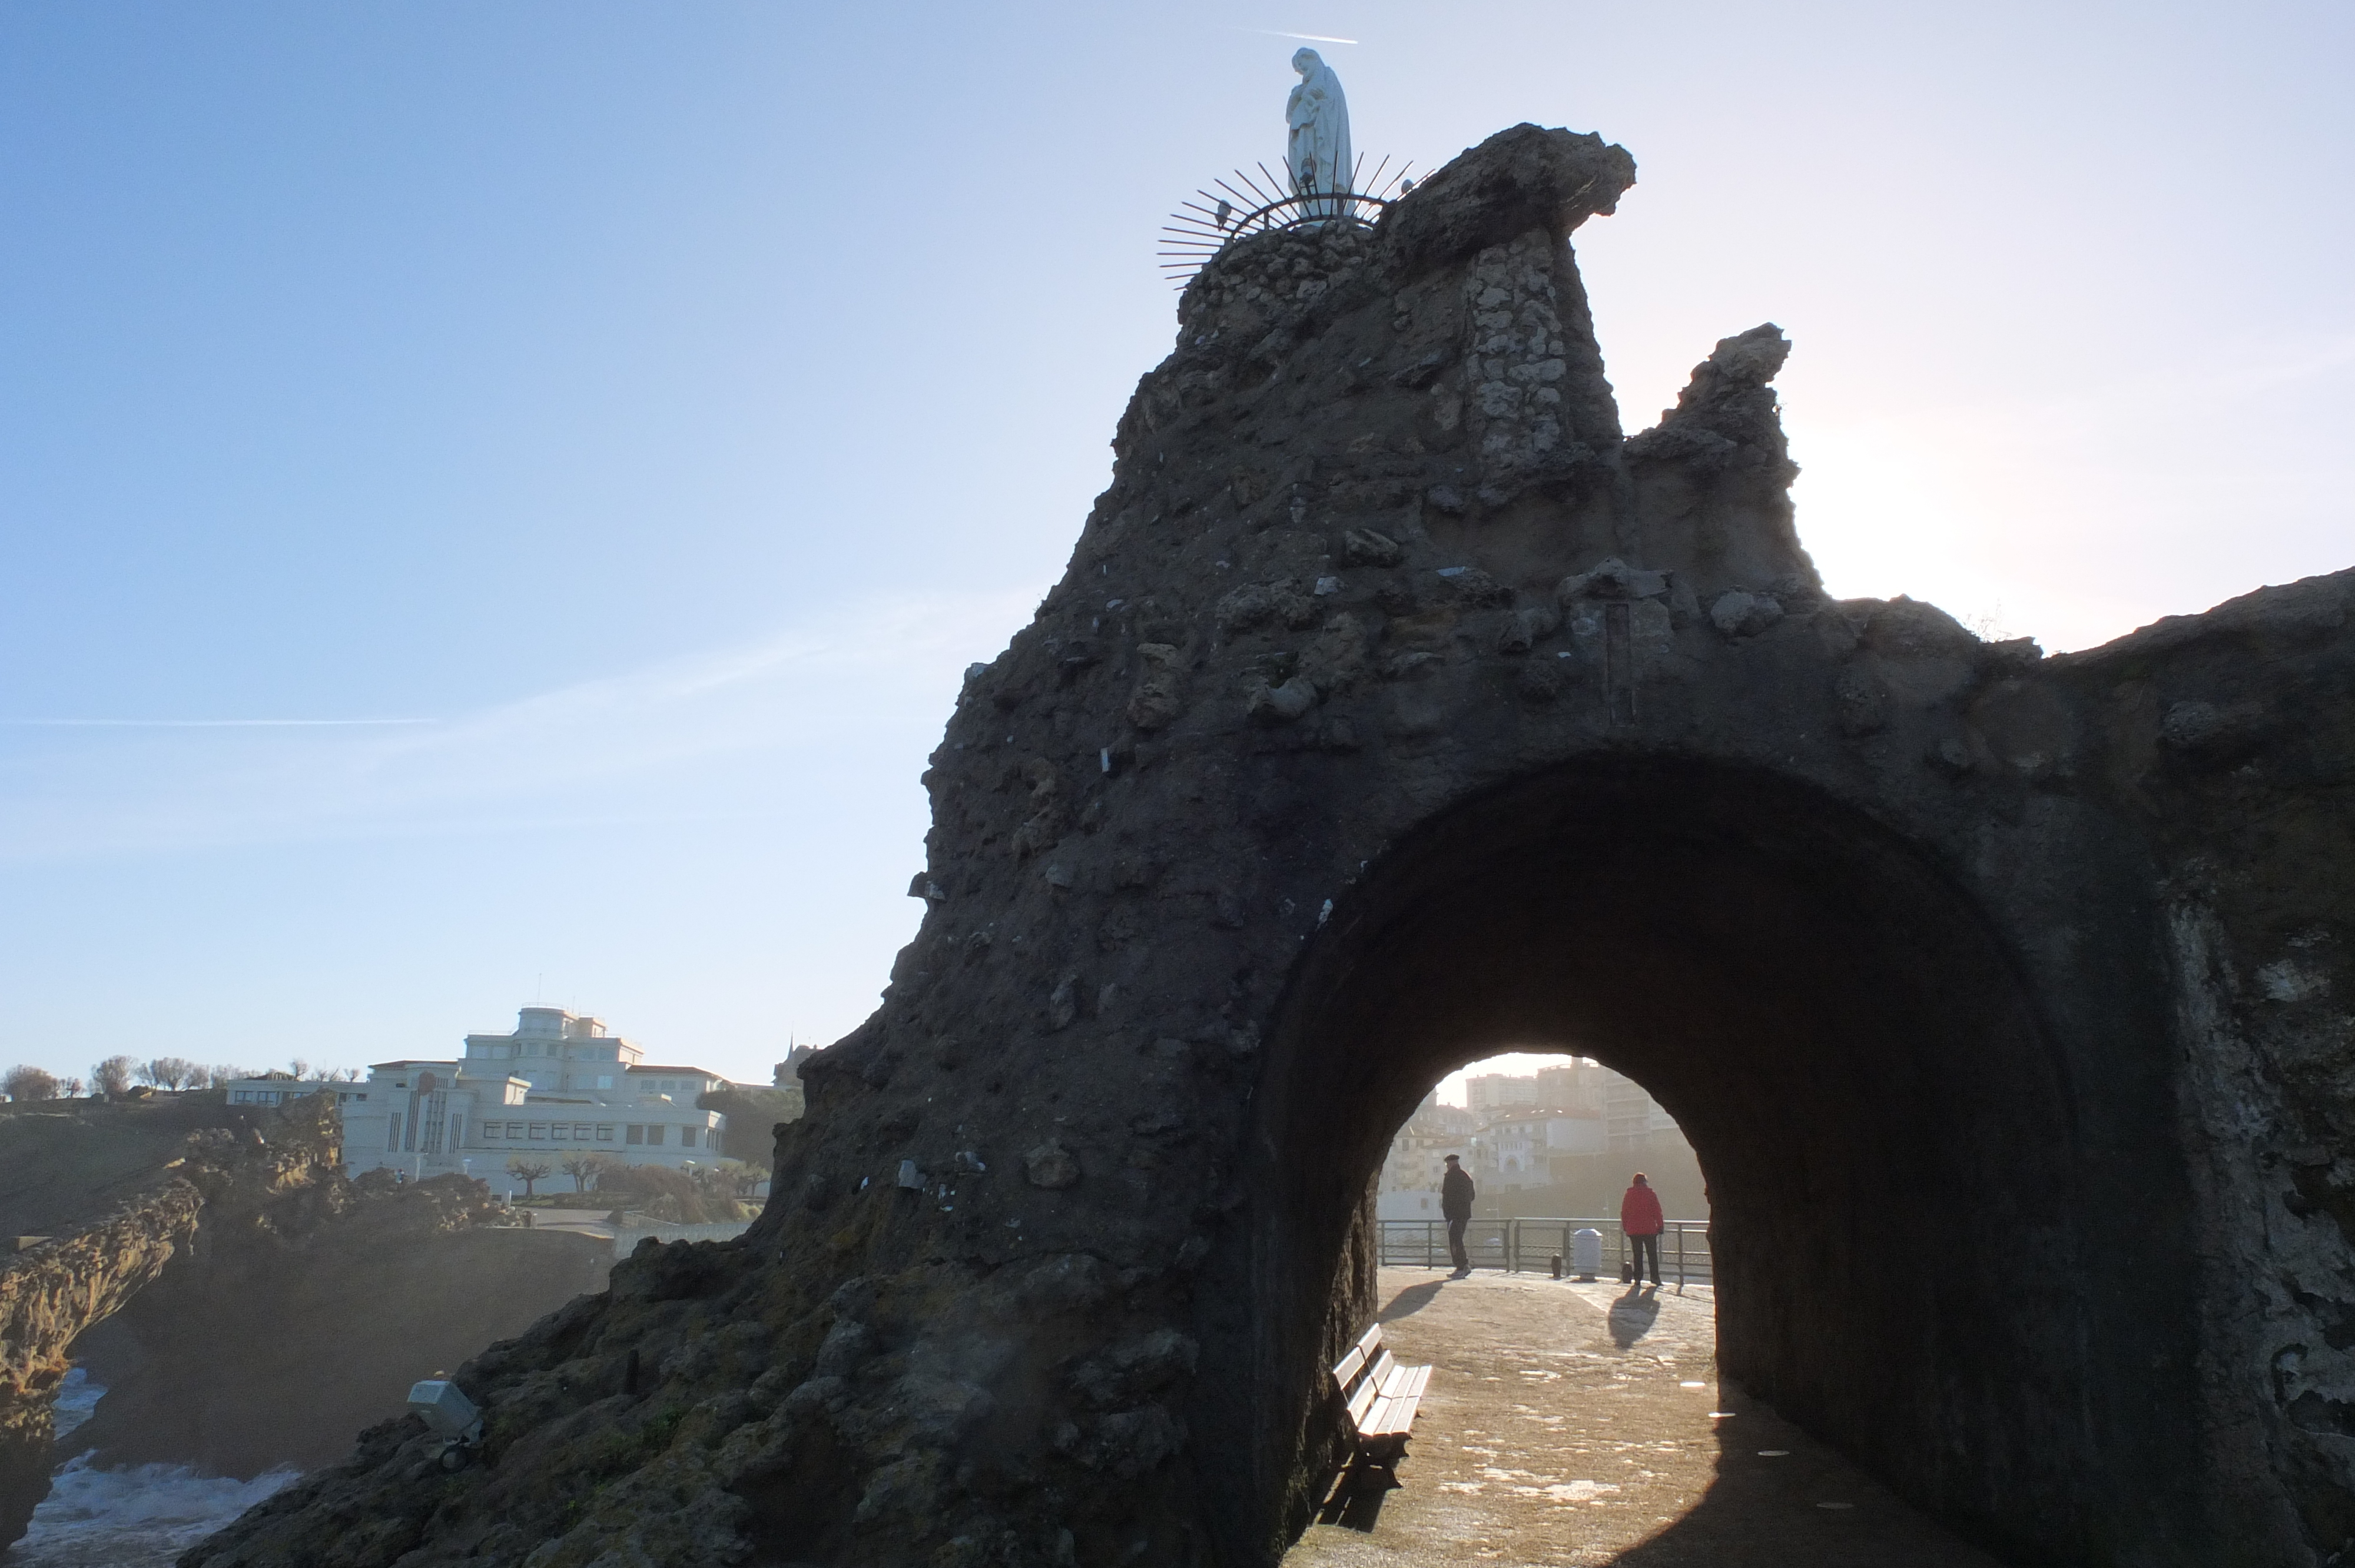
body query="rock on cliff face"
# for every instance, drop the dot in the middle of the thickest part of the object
(1396, 709)
(249, 1307)
(281, 1333)
(47, 1297)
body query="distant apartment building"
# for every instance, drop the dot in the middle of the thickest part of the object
(559, 1086)
(1632, 1115)
(1516, 1149)
(1418, 1153)
(1511, 1128)
(1493, 1092)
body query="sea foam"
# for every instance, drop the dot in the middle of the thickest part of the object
(140, 1516)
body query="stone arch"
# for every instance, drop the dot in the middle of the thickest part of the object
(1888, 1133)
(1379, 588)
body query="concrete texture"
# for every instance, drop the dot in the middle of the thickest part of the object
(1581, 1424)
(1395, 710)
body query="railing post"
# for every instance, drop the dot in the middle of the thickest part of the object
(1681, 1258)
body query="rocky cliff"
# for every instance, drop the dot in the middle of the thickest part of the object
(51, 1294)
(1395, 709)
(246, 1305)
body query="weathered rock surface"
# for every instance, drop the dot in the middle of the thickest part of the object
(1395, 710)
(246, 1305)
(48, 1296)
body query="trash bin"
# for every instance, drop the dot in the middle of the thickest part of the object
(1586, 1253)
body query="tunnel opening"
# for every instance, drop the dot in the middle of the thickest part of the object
(1892, 1146)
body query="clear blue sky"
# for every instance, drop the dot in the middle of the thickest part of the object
(653, 406)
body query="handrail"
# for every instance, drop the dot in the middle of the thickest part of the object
(1507, 1241)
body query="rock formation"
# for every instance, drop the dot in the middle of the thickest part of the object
(249, 1307)
(1394, 710)
(48, 1296)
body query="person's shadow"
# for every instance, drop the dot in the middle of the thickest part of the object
(1633, 1315)
(1411, 1300)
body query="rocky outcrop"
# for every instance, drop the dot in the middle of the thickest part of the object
(1394, 710)
(287, 1327)
(48, 1296)
(53, 1293)
(249, 1307)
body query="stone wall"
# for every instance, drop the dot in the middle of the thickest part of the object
(1394, 710)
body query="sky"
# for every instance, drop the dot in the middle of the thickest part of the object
(496, 500)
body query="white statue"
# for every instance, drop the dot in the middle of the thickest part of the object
(1318, 150)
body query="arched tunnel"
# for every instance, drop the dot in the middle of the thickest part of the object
(1908, 1262)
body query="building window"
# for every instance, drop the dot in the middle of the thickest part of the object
(654, 1132)
(604, 1132)
(515, 1130)
(634, 1133)
(540, 1131)
(605, 1081)
(490, 1130)
(687, 1137)
(392, 1135)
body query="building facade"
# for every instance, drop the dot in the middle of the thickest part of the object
(1517, 1149)
(558, 1087)
(277, 1088)
(1419, 1150)
(1513, 1127)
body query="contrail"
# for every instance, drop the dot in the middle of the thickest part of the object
(1307, 37)
(198, 724)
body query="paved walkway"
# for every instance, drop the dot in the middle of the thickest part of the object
(1574, 1425)
(588, 1222)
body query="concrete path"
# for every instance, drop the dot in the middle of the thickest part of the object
(1574, 1425)
(588, 1222)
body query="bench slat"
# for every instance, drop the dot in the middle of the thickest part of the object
(1380, 1395)
(1361, 1403)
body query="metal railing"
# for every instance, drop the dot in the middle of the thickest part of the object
(635, 1228)
(1531, 1242)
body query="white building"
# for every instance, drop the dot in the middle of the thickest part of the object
(277, 1088)
(1517, 1149)
(1408, 1205)
(558, 1087)
(1493, 1092)
(1419, 1150)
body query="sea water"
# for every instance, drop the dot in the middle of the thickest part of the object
(142, 1517)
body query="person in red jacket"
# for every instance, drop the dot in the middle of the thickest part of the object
(1641, 1220)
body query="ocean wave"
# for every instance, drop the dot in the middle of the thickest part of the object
(140, 1516)
(77, 1397)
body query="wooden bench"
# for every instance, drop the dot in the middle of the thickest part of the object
(1380, 1397)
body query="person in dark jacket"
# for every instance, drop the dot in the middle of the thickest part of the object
(1641, 1222)
(1455, 1194)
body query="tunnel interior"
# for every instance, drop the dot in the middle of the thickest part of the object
(1891, 1141)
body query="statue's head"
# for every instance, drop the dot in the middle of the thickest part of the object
(1305, 61)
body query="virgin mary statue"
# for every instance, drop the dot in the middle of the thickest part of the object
(1318, 152)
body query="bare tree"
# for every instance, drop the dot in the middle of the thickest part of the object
(199, 1076)
(23, 1083)
(301, 1068)
(167, 1071)
(529, 1172)
(70, 1087)
(584, 1168)
(742, 1176)
(112, 1076)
